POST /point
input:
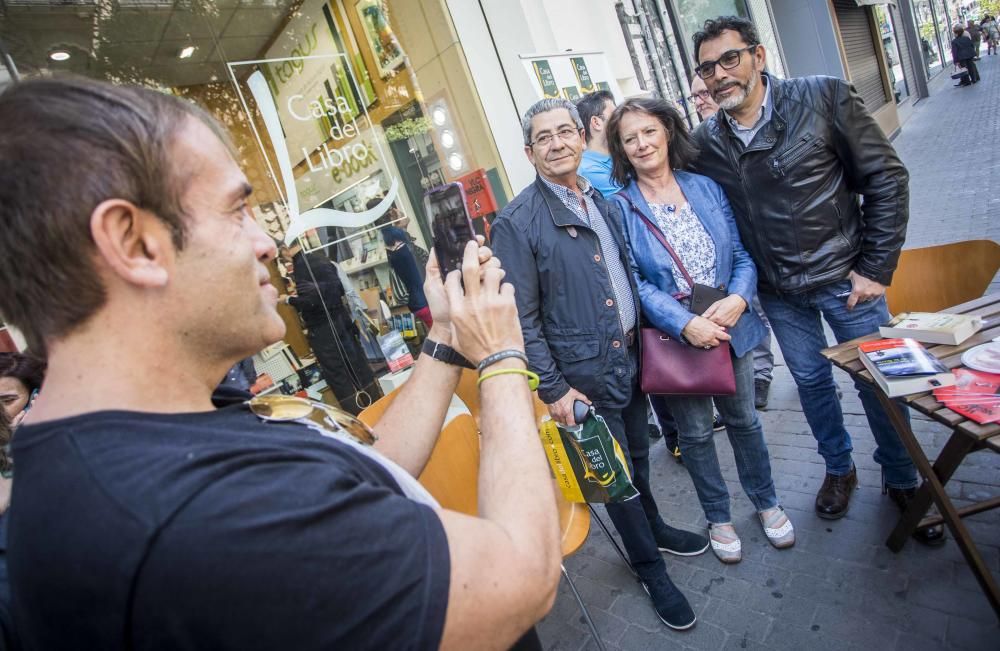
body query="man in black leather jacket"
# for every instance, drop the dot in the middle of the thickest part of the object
(563, 248)
(796, 158)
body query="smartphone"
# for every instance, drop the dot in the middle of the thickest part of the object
(450, 223)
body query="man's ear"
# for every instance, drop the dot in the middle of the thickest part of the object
(132, 242)
(530, 153)
(761, 55)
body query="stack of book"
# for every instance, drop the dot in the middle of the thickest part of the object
(976, 395)
(903, 366)
(933, 328)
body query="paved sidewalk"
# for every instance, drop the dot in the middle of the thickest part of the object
(839, 587)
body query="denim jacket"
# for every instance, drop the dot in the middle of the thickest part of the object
(652, 265)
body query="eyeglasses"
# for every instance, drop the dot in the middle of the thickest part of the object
(564, 135)
(703, 95)
(279, 409)
(728, 61)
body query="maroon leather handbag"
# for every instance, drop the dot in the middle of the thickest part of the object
(671, 367)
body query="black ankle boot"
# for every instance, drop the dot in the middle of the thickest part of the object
(932, 536)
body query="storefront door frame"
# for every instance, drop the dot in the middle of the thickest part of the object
(914, 50)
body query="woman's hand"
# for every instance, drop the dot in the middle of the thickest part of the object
(727, 311)
(703, 333)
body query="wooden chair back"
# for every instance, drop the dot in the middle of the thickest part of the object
(932, 278)
(452, 472)
(373, 412)
(468, 391)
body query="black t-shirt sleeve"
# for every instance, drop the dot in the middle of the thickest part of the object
(318, 558)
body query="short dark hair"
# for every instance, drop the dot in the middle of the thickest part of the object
(29, 369)
(714, 27)
(77, 143)
(592, 104)
(681, 147)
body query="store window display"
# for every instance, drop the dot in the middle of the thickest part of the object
(357, 100)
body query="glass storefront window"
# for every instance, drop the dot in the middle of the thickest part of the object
(930, 44)
(894, 59)
(334, 105)
(692, 14)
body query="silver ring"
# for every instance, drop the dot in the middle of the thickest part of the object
(707, 347)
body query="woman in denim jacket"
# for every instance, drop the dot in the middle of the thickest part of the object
(649, 146)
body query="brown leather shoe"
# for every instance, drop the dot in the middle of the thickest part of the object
(834, 495)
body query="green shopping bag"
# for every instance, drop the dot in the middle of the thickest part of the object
(587, 461)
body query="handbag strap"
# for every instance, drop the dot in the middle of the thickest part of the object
(658, 234)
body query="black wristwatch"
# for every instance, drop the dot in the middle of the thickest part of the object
(445, 354)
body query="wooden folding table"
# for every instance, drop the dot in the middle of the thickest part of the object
(967, 436)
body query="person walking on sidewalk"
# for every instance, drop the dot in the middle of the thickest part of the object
(796, 158)
(963, 55)
(991, 34)
(972, 29)
(563, 248)
(650, 147)
(763, 358)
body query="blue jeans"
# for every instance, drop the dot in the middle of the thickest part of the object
(795, 321)
(696, 438)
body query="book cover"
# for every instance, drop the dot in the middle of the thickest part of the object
(976, 395)
(901, 358)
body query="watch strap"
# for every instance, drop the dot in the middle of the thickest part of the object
(444, 353)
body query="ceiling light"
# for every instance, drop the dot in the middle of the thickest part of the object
(439, 115)
(58, 55)
(447, 139)
(455, 162)
(186, 53)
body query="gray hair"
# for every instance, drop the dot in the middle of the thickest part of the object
(544, 106)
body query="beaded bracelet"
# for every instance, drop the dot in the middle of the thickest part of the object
(533, 378)
(503, 354)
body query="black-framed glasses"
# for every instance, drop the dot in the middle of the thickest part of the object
(728, 61)
(565, 134)
(281, 408)
(703, 95)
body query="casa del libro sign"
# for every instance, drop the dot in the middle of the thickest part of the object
(306, 121)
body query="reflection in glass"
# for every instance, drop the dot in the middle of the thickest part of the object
(356, 116)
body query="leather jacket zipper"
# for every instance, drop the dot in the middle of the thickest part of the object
(793, 154)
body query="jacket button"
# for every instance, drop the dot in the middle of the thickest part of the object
(616, 344)
(609, 302)
(597, 258)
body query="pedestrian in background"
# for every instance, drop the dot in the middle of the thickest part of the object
(975, 34)
(991, 34)
(650, 147)
(563, 248)
(595, 110)
(963, 55)
(821, 201)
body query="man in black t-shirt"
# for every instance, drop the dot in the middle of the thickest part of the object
(145, 517)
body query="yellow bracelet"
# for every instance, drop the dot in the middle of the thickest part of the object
(533, 379)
